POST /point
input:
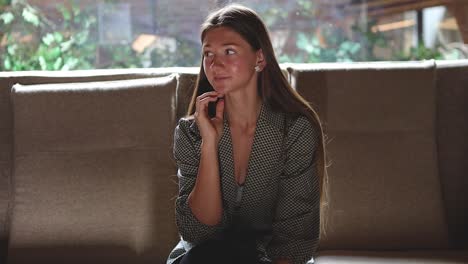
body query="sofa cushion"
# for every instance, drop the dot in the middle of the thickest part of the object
(383, 179)
(93, 172)
(5, 167)
(452, 131)
(7, 80)
(391, 257)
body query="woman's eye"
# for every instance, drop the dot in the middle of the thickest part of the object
(230, 52)
(208, 53)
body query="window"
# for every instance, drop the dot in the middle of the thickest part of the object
(84, 34)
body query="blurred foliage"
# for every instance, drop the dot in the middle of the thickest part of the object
(317, 39)
(311, 39)
(5, 3)
(369, 40)
(119, 56)
(30, 41)
(33, 42)
(420, 52)
(454, 51)
(187, 54)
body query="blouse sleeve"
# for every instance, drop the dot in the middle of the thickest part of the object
(187, 159)
(296, 223)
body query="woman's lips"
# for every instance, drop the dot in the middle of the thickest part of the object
(221, 78)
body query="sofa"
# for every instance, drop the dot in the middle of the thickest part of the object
(87, 173)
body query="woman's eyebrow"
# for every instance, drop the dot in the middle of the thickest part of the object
(224, 44)
(230, 44)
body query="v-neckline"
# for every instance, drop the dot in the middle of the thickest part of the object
(249, 154)
(263, 159)
(252, 148)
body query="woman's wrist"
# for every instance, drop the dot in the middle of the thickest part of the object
(209, 145)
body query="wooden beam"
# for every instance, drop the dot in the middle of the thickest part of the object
(389, 7)
(394, 25)
(449, 24)
(408, 7)
(383, 3)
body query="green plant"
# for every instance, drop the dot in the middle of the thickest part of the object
(420, 52)
(317, 40)
(119, 56)
(186, 54)
(32, 42)
(35, 43)
(342, 50)
(369, 38)
(314, 39)
(5, 3)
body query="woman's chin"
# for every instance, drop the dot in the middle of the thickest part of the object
(221, 89)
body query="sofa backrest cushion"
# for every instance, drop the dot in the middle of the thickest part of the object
(452, 135)
(5, 166)
(7, 80)
(94, 177)
(383, 178)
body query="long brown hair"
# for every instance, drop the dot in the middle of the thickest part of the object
(273, 88)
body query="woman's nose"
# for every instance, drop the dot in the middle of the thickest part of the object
(216, 62)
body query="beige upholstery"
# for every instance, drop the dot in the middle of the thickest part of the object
(5, 166)
(452, 131)
(186, 84)
(93, 172)
(381, 133)
(7, 80)
(389, 257)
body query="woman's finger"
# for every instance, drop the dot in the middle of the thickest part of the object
(202, 107)
(204, 96)
(203, 102)
(220, 109)
(208, 94)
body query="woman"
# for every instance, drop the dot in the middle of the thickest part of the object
(250, 154)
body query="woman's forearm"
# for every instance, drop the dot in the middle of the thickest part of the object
(205, 199)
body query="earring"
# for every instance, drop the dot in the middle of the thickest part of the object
(257, 68)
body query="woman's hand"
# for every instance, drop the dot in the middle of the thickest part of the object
(211, 129)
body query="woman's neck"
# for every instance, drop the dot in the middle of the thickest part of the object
(243, 110)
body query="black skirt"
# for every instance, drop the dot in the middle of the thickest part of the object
(237, 245)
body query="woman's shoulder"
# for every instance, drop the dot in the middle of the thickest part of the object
(300, 125)
(187, 127)
(291, 121)
(187, 141)
(299, 121)
(186, 122)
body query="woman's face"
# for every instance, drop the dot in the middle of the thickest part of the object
(229, 61)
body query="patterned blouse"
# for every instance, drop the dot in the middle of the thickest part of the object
(279, 198)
